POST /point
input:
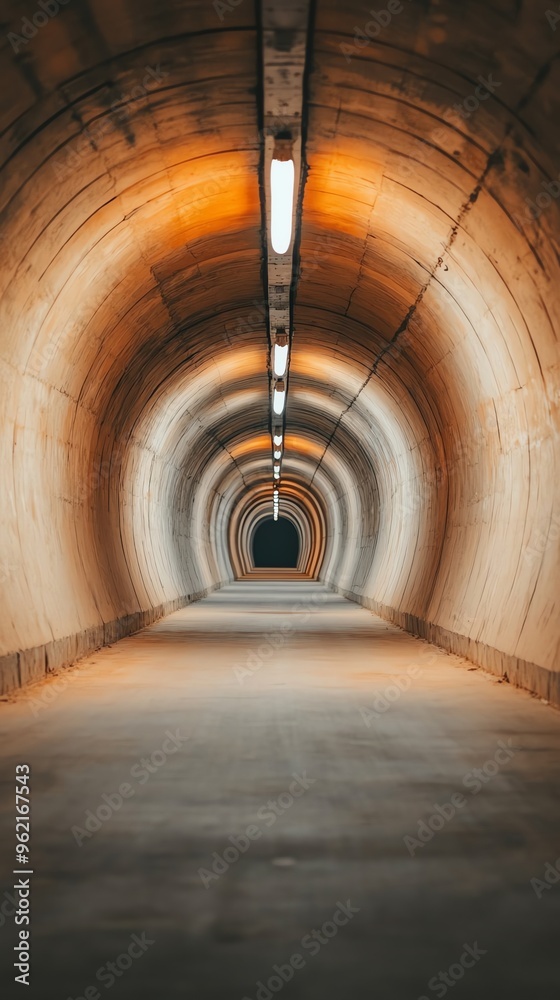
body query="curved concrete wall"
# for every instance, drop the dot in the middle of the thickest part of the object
(422, 420)
(449, 286)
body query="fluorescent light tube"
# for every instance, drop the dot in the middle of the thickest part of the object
(282, 178)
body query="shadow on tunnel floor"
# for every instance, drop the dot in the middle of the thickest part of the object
(200, 832)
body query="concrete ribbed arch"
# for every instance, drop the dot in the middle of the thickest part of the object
(422, 411)
(300, 506)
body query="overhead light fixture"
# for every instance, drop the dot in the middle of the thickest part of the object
(279, 398)
(277, 440)
(282, 180)
(277, 455)
(277, 472)
(280, 353)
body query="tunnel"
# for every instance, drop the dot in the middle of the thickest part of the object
(280, 507)
(276, 544)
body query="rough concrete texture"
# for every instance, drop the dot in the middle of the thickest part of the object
(539, 680)
(28, 665)
(315, 708)
(422, 422)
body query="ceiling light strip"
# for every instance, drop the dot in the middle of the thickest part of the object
(285, 28)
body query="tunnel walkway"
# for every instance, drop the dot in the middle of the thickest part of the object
(318, 737)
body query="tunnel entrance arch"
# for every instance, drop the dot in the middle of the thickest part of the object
(300, 506)
(276, 544)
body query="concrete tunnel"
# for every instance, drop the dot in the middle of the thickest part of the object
(419, 300)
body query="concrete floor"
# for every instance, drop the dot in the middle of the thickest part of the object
(377, 767)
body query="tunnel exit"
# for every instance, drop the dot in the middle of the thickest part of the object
(276, 544)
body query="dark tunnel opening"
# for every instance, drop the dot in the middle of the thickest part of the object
(276, 544)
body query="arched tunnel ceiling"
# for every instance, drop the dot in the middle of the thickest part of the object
(422, 416)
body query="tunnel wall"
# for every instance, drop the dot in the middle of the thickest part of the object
(466, 551)
(443, 274)
(116, 306)
(422, 440)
